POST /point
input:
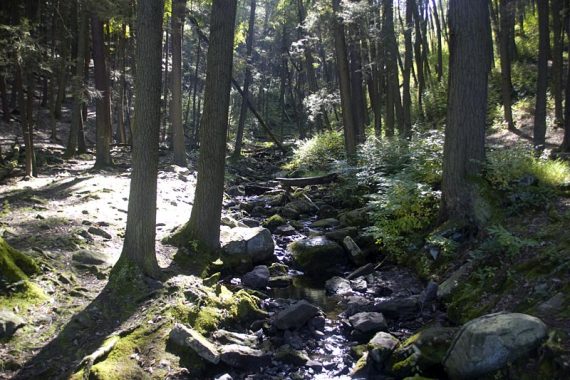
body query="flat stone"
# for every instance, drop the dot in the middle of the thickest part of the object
(280, 281)
(368, 322)
(447, 287)
(296, 315)
(243, 357)
(99, 232)
(86, 257)
(488, 343)
(341, 233)
(9, 323)
(187, 337)
(338, 285)
(325, 223)
(398, 308)
(258, 278)
(285, 230)
(553, 304)
(355, 254)
(230, 337)
(288, 355)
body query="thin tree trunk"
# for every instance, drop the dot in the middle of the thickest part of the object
(195, 108)
(539, 137)
(4, 98)
(165, 129)
(25, 118)
(247, 79)
(408, 63)
(356, 89)
(439, 67)
(557, 68)
(178, 10)
(507, 13)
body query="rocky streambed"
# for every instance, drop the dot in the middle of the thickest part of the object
(335, 308)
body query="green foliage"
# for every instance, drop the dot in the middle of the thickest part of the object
(526, 180)
(435, 104)
(502, 241)
(318, 153)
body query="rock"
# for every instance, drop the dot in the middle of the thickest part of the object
(235, 191)
(327, 211)
(9, 323)
(252, 189)
(428, 295)
(355, 218)
(243, 357)
(355, 254)
(488, 343)
(381, 347)
(341, 233)
(258, 278)
(297, 208)
(325, 223)
(99, 232)
(317, 256)
(398, 308)
(296, 315)
(187, 337)
(86, 257)
(273, 222)
(243, 247)
(552, 305)
(368, 322)
(362, 271)
(315, 365)
(225, 376)
(288, 355)
(357, 304)
(248, 222)
(448, 286)
(280, 281)
(230, 337)
(338, 285)
(359, 285)
(285, 230)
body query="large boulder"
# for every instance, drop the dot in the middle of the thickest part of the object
(296, 315)
(356, 218)
(9, 323)
(368, 322)
(258, 278)
(381, 347)
(242, 247)
(243, 357)
(297, 208)
(488, 343)
(318, 256)
(187, 337)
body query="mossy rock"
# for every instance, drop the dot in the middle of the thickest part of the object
(14, 265)
(273, 222)
(318, 256)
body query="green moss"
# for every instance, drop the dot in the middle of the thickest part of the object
(206, 319)
(273, 222)
(359, 350)
(14, 265)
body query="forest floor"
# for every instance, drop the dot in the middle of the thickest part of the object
(71, 208)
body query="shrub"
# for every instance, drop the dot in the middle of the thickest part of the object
(318, 153)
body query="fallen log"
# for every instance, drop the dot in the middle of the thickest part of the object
(307, 181)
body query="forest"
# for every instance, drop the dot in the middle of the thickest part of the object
(285, 189)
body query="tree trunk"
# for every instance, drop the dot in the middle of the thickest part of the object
(350, 132)
(4, 98)
(247, 79)
(356, 89)
(103, 148)
(139, 245)
(204, 223)
(565, 147)
(165, 129)
(408, 63)
(439, 67)
(122, 131)
(27, 129)
(195, 107)
(556, 79)
(464, 148)
(78, 86)
(539, 137)
(178, 10)
(507, 13)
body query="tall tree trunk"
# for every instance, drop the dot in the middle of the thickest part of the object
(464, 147)
(121, 129)
(178, 9)
(78, 87)
(204, 223)
(419, 59)
(195, 106)
(247, 79)
(165, 130)
(507, 13)
(356, 89)
(25, 117)
(539, 137)
(4, 98)
(350, 131)
(408, 63)
(565, 147)
(558, 37)
(439, 67)
(139, 245)
(393, 106)
(103, 117)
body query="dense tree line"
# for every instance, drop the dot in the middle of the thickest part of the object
(161, 74)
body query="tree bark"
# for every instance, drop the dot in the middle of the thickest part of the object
(408, 63)
(204, 223)
(507, 19)
(556, 80)
(4, 98)
(178, 10)
(439, 67)
(464, 147)
(350, 132)
(103, 117)
(139, 245)
(247, 79)
(539, 137)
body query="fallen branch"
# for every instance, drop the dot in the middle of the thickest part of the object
(307, 181)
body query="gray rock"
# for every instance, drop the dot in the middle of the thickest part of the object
(225, 376)
(317, 256)
(99, 232)
(243, 357)
(341, 233)
(288, 355)
(488, 343)
(296, 315)
(357, 304)
(248, 222)
(244, 247)
(381, 347)
(447, 287)
(355, 254)
(338, 285)
(86, 257)
(258, 278)
(429, 294)
(236, 191)
(285, 230)
(553, 304)
(187, 337)
(325, 223)
(280, 281)
(9, 323)
(368, 322)
(327, 211)
(297, 208)
(355, 218)
(398, 308)
(362, 271)
(230, 337)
